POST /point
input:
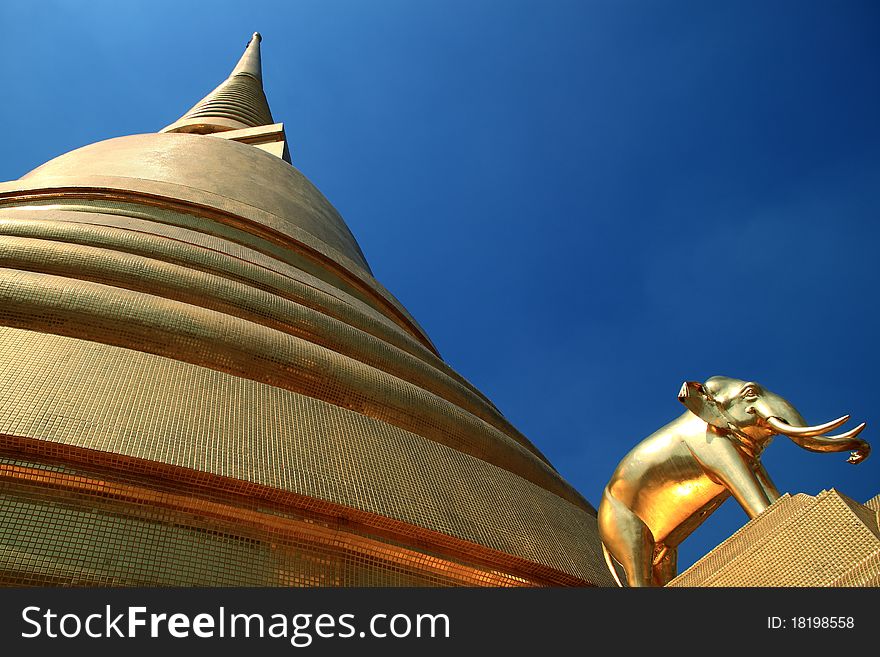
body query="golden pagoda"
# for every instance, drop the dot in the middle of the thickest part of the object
(201, 383)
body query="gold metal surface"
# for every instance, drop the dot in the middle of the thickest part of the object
(270, 138)
(800, 540)
(169, 533)
(670, 482)
(270, 198)
(202, 383)
(239, 102)
(194, 175)
(136, 405)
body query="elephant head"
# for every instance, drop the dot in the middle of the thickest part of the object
(755, 415)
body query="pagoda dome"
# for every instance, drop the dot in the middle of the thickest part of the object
(205, 385)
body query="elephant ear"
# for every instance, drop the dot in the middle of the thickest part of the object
(699, 401)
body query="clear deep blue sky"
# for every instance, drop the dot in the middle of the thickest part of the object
(584, 203)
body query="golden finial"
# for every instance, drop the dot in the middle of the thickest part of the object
(239, 102)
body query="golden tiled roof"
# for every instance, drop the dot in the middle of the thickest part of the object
(826, 540)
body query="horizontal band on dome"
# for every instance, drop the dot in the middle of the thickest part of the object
(240, 533)
(119, 317)
(217, 256)
(128, 230)
(148, 407)
(302, 244)
(232, 297)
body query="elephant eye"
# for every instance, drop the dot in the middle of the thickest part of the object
(750, 392)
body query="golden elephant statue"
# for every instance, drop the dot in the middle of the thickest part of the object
(671, 481)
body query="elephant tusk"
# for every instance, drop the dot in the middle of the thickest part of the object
(836, 443)
(781, 426)
(852, 433)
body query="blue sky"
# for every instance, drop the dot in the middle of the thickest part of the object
(584, 203)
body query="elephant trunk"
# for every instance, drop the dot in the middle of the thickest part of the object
(814, 438)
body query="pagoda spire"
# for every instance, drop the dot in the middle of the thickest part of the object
(238, 102)
(250, 63)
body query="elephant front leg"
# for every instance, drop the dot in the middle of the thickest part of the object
(627, 538)
(766, 483)
(727, 466)
(665, 565)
